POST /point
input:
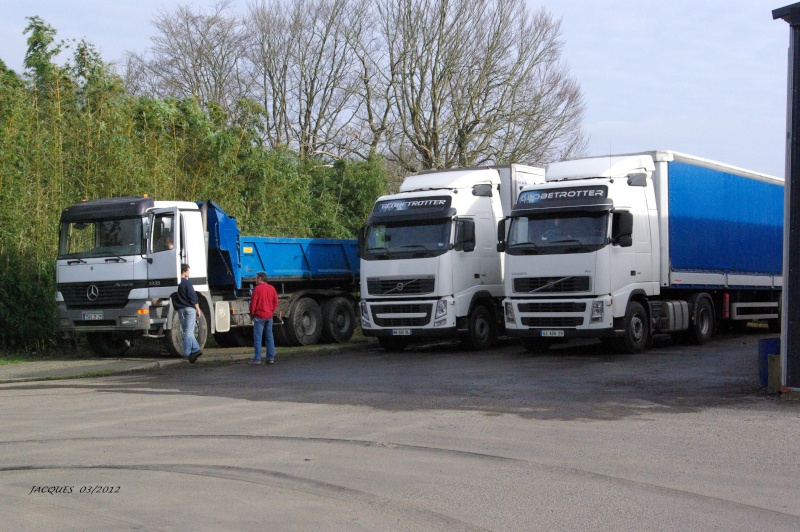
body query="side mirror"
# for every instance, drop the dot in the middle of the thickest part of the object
(362, 232)
(622, 229)
(465, 236)
(501, 235)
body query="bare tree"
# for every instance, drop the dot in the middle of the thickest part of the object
(427, 83)
(306, 71)
(477, 81)
(193, 54)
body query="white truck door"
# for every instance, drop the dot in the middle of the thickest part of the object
(163, 258)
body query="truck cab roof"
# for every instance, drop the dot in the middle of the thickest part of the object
(103, 209)
(607, 167)
(450, 179)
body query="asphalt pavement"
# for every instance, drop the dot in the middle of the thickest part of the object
(63, 368)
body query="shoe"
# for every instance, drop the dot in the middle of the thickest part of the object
(186, 358)
(270, 361)
(255, 362)
(194, 356)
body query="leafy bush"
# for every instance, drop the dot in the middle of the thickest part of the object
(70, 132)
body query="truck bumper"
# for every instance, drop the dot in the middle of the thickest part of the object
(133, 318)
(560, 319)
(449, 332)
(567, 333)
(410, 319)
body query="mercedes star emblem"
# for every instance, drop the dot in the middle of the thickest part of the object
(92, 292)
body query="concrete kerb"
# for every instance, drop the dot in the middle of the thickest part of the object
(72, 369)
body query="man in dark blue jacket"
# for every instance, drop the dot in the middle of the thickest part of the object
(188, 307)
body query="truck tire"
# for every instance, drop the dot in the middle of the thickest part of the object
(303, 325)
(393, 344)
(338, 320)
(702, 326)
(637, 329)
(108, 344)
(173, 339)
(482, 330)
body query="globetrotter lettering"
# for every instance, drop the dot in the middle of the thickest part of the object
(390, 206)
(537, 196)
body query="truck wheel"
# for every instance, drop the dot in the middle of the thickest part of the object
(304, 325)
(702, 327)
(338, 320)
(536, 345)
(173, 340)
(637, 329)
(108, 344)
(482, 331)
(393, 344)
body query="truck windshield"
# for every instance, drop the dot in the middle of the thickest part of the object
(407, 240)
(100, 238)
(544, 234)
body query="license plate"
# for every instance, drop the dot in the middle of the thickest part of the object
(401, 332)
(557, 334)
(92, 316)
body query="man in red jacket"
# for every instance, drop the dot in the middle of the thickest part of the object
(263, 303)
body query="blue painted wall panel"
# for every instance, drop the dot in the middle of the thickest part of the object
(723, 222)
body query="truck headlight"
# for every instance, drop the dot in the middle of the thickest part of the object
(364, 314)
(509, 312)
(129, 321)
(597, 310)
(441, 309)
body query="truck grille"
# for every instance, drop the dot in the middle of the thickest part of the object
(414, 286)
(552, 307)
(552, 285)
(566, 321)
(108, 294)
(400, 321)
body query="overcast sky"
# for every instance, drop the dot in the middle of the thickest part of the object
(704, 77)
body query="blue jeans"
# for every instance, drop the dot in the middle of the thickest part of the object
(188, 316)
(260, 328)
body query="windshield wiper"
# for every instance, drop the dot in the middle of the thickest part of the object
(525, 245)
(76, 261)
(116, 259)
(381, 252)
(565, 240)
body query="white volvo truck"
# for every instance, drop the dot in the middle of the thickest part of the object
(623, 247)
(429, 261)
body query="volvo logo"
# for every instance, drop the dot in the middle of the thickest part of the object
(92, 292)
(399, 287)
